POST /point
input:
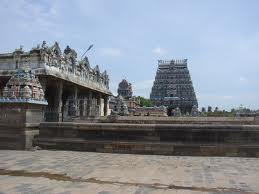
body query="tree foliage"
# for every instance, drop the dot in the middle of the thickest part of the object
(144, 102)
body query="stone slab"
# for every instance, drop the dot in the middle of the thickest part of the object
(101, 173)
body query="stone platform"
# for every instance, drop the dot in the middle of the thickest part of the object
(165, 139)
(178, 120)
(19, 123)
(17, 138)
(102, 173)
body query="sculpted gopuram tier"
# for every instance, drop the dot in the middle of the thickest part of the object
(173, 86)
(72, 88)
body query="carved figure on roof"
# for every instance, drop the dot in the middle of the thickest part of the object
(44, 52)
(97, 73)
(55, 55)
(83, 68)
(44, 45)
(86, 63)
(106, 79)
(70, 57)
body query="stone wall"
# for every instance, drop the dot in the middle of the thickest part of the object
(179, 120)
(166, 139)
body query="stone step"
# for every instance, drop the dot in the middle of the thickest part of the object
(160, 148)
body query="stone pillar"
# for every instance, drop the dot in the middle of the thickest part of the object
(59, 100)
(98, 98)
(75, 96)
(102, 107)
(43, 82)
(106, 103)
(257, 118)
(89, 102)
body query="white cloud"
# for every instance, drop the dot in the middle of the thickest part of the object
(227, 97)
(113, 52)
(159, 51)
(32, 16)
(242, 79)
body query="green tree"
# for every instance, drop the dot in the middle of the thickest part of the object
(145, 102)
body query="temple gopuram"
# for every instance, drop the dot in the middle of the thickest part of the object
(173, 87)
(72, 88)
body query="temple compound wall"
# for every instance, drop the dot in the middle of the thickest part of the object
(72, 88)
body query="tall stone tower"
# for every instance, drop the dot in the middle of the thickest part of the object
(173, 86)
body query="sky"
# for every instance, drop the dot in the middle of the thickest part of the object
(219, 38)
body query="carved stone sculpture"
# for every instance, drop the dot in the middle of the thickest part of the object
(23, 85)
(194, 111)
(67, 62)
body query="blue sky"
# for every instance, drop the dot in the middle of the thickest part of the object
(220, 39)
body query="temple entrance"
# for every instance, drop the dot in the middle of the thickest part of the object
(51, 113)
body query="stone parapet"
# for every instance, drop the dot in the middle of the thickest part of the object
(181, 120)
(167, 139)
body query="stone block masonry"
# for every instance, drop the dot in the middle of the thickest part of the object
(164, 139)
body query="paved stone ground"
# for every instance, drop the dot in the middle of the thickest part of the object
(84, 172)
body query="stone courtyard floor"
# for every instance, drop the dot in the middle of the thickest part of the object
(85, 172)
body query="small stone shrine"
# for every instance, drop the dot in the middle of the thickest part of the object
(125, 89)
(21, 110)
(119, 106)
